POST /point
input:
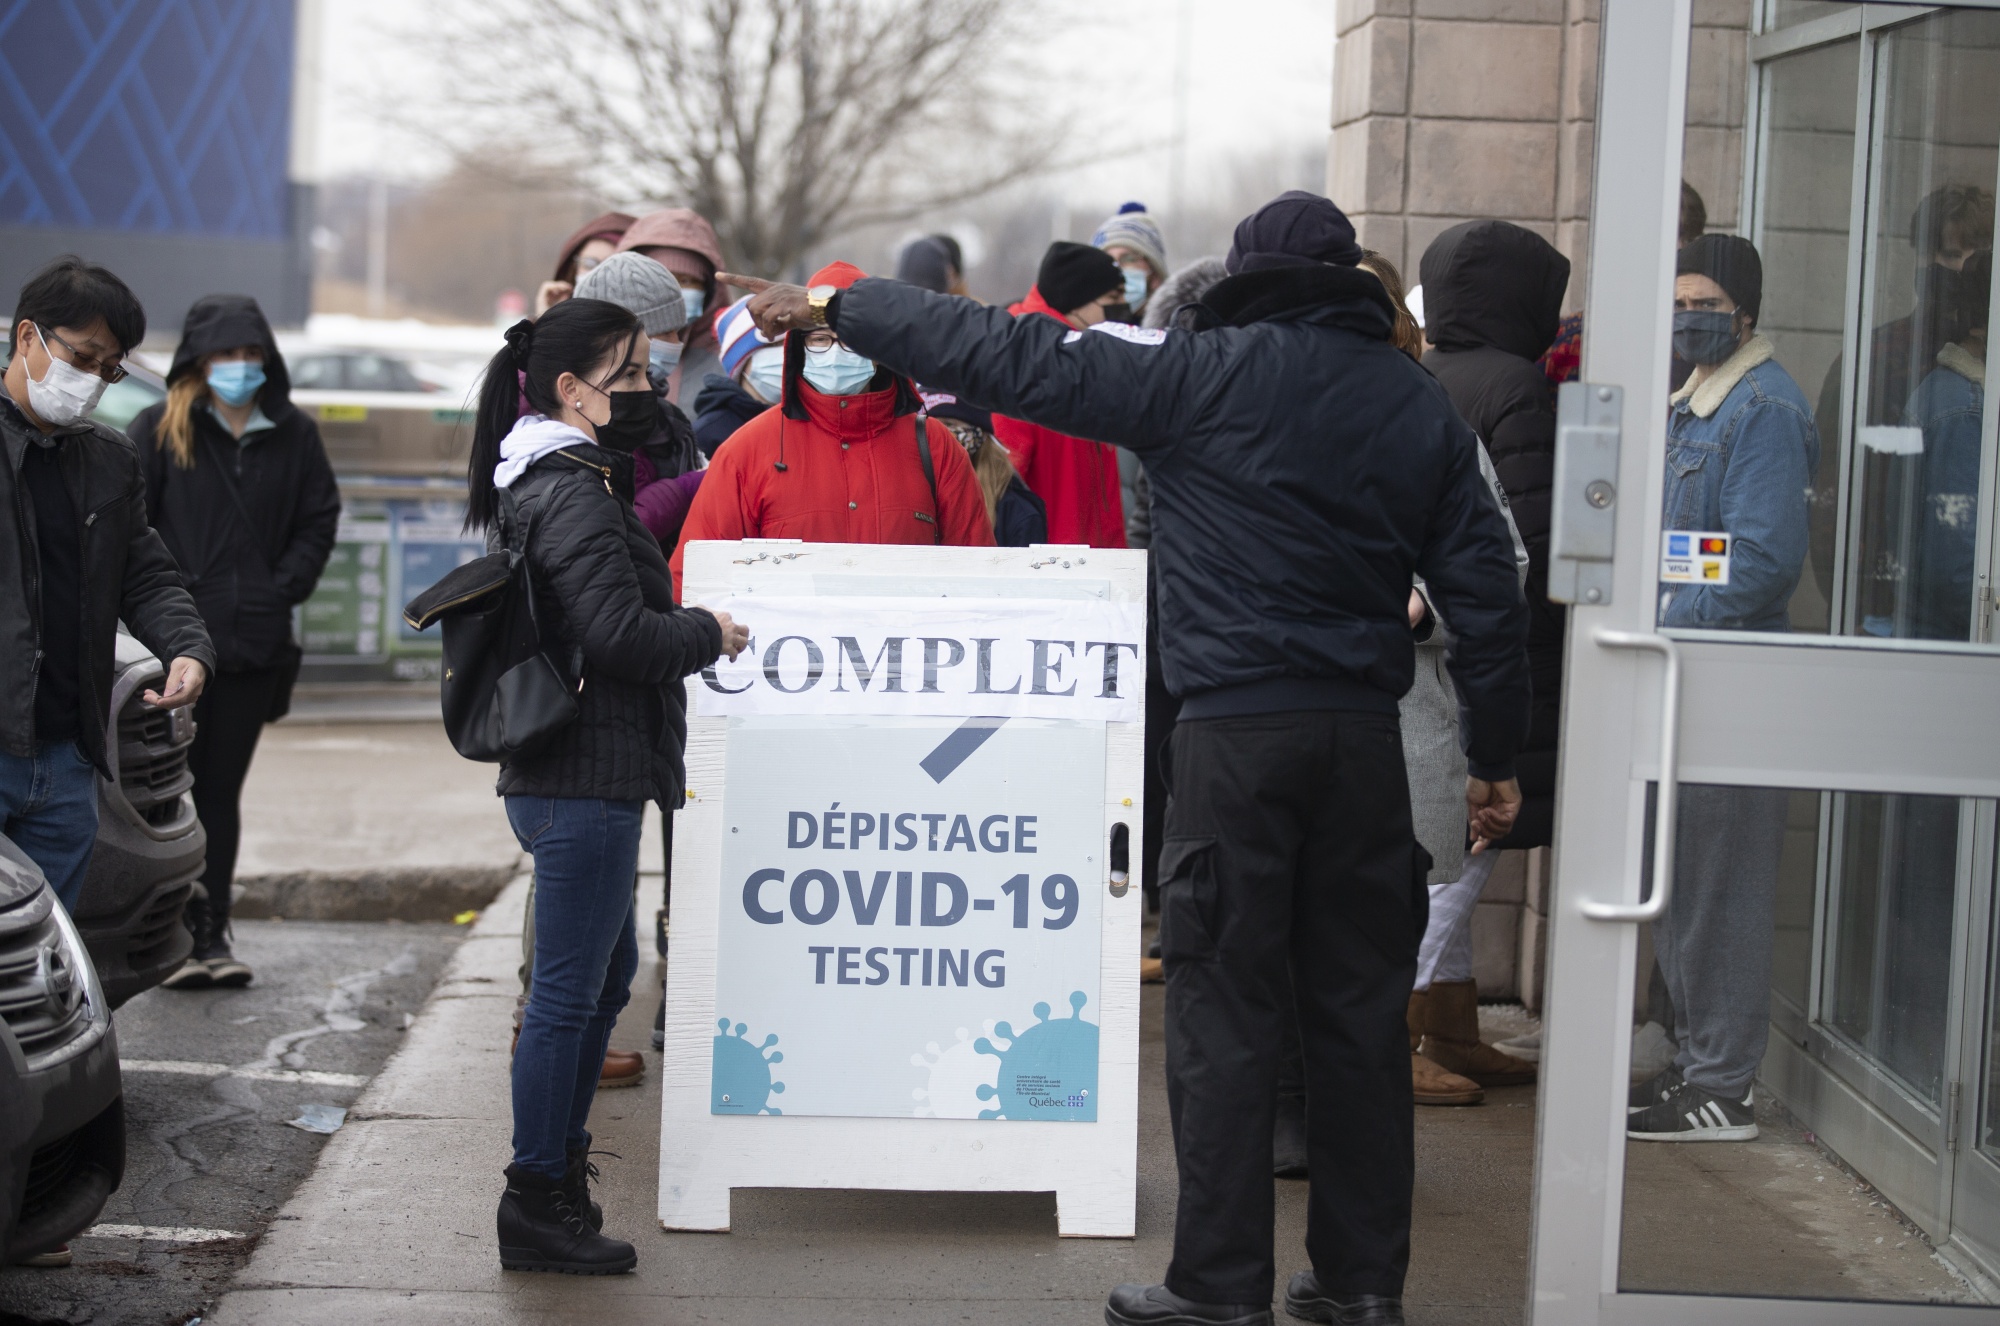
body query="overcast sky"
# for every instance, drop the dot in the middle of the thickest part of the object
(1260, 77)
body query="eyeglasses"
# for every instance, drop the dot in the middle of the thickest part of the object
(110, 372)
(821, 340)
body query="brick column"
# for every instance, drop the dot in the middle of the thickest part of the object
(1451, 110)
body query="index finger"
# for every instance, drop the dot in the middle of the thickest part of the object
(756, 285)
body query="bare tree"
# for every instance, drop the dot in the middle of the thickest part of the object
(784, 122)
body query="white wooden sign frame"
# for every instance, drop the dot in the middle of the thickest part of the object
(1091, 1167)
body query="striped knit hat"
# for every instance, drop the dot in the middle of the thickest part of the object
(736, 336)
(1137, 231)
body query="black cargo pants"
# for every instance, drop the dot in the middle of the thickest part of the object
(1289, 850)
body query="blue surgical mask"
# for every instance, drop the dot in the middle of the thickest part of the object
(838, 371)
(236, 381)
(693, 300)
(1135, 285)
(661, 359)
(766, 374)
(1704, 336)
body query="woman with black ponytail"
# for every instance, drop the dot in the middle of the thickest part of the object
(555, 483)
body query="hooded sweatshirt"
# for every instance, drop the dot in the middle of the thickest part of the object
(609, 226)
(252, 522)
(1492, 306)
(682, 228)
(838, 469)
(1077, 479)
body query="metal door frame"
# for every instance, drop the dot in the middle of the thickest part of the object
(1889, 716)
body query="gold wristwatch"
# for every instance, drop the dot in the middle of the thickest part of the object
(817, 299)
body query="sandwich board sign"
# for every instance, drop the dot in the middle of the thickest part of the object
(902, 957)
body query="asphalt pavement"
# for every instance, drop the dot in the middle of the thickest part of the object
(211, 1077)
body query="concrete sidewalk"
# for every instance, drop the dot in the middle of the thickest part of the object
(396, 1224)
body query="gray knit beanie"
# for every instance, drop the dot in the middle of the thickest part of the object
(640, 286)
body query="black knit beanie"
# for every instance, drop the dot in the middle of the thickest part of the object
(1295, 227)
(1732, 263)
(1074, 274)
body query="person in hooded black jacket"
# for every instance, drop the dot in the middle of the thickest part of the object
(1303, 471)
(1492, 302)
(238, 484)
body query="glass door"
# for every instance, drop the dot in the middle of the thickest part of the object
(1780, 767)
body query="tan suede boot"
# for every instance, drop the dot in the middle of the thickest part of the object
(1431, 1084)
(1451, 1038)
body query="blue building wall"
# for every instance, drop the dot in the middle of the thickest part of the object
(153, 136)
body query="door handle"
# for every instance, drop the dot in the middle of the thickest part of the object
(1666, 802)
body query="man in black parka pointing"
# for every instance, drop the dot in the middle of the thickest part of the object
(1303, 471)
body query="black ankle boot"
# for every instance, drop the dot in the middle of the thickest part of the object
(576, 1182)
(1305, 1300)
(541, 1229)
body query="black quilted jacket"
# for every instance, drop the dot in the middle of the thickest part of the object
(606, 604)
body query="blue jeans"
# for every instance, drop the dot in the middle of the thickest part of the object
(48, 806)
(586, 952)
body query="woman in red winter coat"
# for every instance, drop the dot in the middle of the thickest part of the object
(839, 461)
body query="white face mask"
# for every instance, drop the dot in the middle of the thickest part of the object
(66, 394)
(766, 375)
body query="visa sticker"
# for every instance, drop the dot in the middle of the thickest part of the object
(1695, 557)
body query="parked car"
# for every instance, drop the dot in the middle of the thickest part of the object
(62, 1117)
(353, 370)
(150, 846)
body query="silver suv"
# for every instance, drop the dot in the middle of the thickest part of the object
(62, 1123)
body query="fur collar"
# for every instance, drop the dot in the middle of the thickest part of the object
(1707, 387)
(1960, 361)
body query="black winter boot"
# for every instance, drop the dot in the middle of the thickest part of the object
(194, 974)
(541, 1229)
(576, 1182)
(1306, 1301)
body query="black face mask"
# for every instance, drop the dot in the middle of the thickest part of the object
(1119, 313)
(634, 416)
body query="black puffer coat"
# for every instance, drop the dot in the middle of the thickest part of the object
(1303, 470)
(246, 574)
(606, 602)
(1492, 300)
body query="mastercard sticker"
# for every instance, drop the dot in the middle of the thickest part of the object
(1694, 557)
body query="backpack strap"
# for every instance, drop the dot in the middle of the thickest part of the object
(930, 475)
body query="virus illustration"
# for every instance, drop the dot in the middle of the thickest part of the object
(1048, 1071)
(956, 1076)
(740, 1078)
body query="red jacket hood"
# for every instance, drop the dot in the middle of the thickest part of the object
(1034, 303)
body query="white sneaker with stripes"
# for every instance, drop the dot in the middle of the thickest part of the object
(1686, 1113)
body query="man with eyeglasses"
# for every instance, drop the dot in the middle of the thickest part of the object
(81, 558)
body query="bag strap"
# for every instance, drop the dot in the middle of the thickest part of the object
(930, 475)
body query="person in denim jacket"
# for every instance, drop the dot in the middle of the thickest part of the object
(1948, 405)
(1741, 444)
(1741, 452)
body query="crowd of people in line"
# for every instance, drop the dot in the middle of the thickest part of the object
(1355, 671)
